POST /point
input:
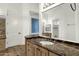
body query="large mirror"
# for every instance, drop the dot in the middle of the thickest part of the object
(64, 20)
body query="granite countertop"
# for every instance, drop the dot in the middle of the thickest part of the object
(59, 47)
(35, 36)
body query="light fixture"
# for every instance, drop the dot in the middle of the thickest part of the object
(73, 6)
(45, 5)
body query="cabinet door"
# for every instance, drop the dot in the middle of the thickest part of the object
(44, 52)
(30, 49)
(39, 51)
(2, 44)
(52, 54)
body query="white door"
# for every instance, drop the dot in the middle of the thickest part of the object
(13, 26)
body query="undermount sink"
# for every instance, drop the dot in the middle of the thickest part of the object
(46, 43)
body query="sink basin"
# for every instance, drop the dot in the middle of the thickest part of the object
(46, 43)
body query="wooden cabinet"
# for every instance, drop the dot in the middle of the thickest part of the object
(44, 52)
(35, 50)
(52, 54)
(2, 44)
(30, 49)
(39, 51)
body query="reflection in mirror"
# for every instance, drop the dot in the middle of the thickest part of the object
(56, 28)
(64, 22)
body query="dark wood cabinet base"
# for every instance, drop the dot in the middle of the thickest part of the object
(35, 50)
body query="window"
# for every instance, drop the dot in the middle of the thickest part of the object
(35, 25)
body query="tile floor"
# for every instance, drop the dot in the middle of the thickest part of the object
(14, 51)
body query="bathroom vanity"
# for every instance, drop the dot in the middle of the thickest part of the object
(50, 47)
(34, 47)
